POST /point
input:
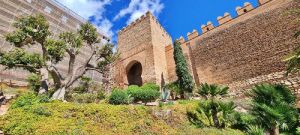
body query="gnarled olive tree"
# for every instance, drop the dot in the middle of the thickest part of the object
(34, 31)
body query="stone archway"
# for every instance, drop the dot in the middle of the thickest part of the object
(134, 73)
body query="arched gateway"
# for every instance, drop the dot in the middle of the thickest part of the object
(134, 73)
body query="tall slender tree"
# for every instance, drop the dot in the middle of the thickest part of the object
(34, 31)
(185, 79)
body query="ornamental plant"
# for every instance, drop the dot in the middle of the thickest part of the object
(274, 108)
(185, 79)
(146, 93)
(34, 31)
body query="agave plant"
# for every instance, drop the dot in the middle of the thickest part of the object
(274, 107)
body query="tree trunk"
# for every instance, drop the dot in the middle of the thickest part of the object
(274, 130)
(44, 82)
(59, 94)
(214, 113)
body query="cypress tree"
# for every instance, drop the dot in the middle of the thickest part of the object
(185, 79)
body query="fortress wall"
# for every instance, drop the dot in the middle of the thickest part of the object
(248, 49)
(160, 38)
(135, 44)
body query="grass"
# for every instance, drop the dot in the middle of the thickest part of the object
(71, 118)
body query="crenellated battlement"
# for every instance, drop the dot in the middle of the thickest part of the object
(243, 10)
(247, 7)
(223, 19)
(144, 17)
(205, 28)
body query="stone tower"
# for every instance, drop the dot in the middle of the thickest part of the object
(142, 53)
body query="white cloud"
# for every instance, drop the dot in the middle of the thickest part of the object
(88, 8)
(105, 26)
(137, 8)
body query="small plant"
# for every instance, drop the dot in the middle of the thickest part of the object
(34, 82)
(119, 96)
(42, 111)
(28, 99)
(255, 130)
(174, 89)
(213, 112)
(84, 98)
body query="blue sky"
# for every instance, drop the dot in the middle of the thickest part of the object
(178, 17)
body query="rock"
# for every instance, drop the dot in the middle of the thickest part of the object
(162, 114)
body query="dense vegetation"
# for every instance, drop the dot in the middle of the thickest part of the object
(33, 114)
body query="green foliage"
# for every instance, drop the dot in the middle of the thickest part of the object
(84, 85)
(243, 120)
(174, 88)
(202, 116)
(106, 52)
(119, 96)
(255, 130)
(133, 91)
(220, 113)
(185, 79)
(56, 49)
(274, 106)
(212, 90)
(72, 40)
(87, 91)
(19, 58)
(96, 119)
(34, 82)
(42, 111)
(29, 29)
(89, 33)
(146, 93)
(29, 99)
(84, 97)
(298, 131)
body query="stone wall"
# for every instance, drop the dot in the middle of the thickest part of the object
(142, 41)
(248, 49)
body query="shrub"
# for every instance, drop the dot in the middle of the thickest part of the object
(174, 88)
(28, 99)
(274, 107)
(146, 93)
(219, 112)
(84, 98)
(42, 111)
(243, 120)
(34, 82)
(134, 91)
(119, 96)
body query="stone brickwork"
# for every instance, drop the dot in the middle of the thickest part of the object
(142, 42)
(248, 49)
(239, 52)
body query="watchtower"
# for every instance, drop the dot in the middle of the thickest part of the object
(142, 53)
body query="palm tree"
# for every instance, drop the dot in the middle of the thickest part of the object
(211, 92)
(274, 107)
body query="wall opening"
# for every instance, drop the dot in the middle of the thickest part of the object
(134, 74)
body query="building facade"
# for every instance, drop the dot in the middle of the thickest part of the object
(60, 18)
(239, 52)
